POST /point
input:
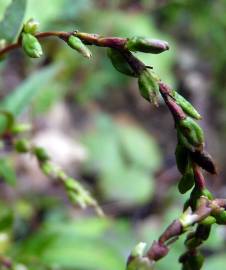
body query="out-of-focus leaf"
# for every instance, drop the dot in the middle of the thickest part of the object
(3, 6)
(125, 157)
(12, 21)
(7, 172)
(215, 262)
(129, 186)
(76, 245)
(22, 96)
(139, 147)
(6, 219)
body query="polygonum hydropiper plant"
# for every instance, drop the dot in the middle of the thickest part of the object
(201, 210)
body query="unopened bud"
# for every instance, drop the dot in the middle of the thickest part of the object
(31, 26)
(139, 249)
(146, 45)
(220, 217)
(119, 62)
(187, 181)
(186, 105)
(148, 86)
(191, 131)
(76, 44)
(31, 45)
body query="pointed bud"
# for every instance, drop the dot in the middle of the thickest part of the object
(187, 181)
(31, 26)
(148, 86)
(204, 160)
(76, 44)
(186, 106)
(191, 131)
(31, 45)
(146, 45)
(119, 62)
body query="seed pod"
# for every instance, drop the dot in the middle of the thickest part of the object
(148, 86)
(182, 155)
(31, 45)
(31, 26)
(146, 45)
(187, 181)
(191, 131)
(186, 105)
(119, 62)
(76, 44)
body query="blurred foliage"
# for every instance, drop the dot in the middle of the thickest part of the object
(123, 158)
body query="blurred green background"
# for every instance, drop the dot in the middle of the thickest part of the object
(97, 127)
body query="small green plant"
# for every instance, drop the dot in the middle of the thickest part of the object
(201, 210)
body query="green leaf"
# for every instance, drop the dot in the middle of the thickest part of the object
(23, 95)
(128, 185)
(11, 24)
(81, 244)
(139, 147)
(6, 219)
(7, 172)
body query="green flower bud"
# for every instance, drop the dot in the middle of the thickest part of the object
(146, 45)
(191, 131)
(182, 158)
(22, 146)
(71, 184)
(31, 45)
(208, 221)
(186, 106)
(41, 154)
(119, 62)
(205, 192)
(148, 86)
(76, 44)
(47, 168)
(220, 217)
(183, 141)
(31, 26)
(187, 181)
